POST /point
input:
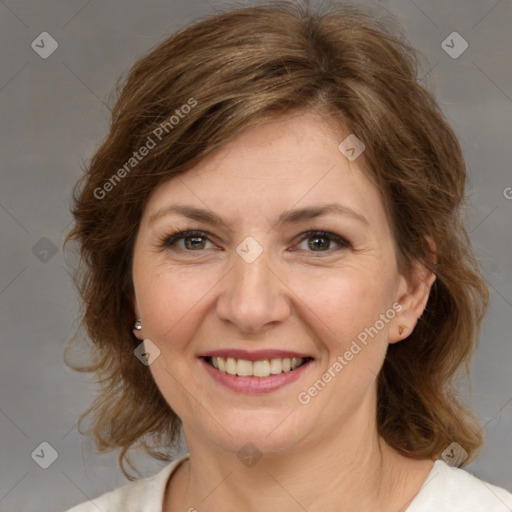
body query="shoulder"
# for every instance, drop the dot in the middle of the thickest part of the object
(450, 489)
(145, 495)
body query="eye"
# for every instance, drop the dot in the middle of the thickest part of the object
(312, 241)
(187, 240)
(321, 241)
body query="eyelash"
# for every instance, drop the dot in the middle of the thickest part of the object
(171, 240)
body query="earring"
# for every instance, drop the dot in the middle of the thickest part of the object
(137, 325)
(401, 329)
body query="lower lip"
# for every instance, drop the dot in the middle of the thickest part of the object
(255, 385)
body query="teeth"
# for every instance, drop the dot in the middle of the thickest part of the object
(275, 366)
(261, 368)
(230, 366)
(264, 368)
(244, 368)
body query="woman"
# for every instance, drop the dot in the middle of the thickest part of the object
(274, 260)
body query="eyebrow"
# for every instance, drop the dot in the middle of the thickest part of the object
(288, 217)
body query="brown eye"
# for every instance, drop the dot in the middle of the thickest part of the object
(321, 241)
(187, 241)
(318, 243)
(194, 243)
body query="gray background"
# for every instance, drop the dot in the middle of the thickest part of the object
(53, 114)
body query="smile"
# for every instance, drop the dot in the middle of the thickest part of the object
(256, 372)
(263, 368)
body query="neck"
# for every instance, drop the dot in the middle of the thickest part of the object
(356, 470)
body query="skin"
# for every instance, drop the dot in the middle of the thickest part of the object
(324, 455)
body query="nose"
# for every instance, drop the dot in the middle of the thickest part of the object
(253, 296)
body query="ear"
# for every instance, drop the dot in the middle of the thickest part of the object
(412, 295)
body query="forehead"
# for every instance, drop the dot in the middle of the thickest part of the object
(289, 161)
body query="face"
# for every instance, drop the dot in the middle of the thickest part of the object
(273, 254)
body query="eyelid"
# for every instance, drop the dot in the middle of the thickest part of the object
(339, 240)
(170, 240)
(342, 243)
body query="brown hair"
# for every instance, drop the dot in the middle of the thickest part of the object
(240, 68)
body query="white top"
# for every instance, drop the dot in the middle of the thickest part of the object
(446, 489)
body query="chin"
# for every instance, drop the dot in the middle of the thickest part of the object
(271, 432)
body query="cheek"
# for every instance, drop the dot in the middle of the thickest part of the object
(347, 302)
(170, 302)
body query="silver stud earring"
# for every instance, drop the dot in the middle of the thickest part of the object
(137, 325)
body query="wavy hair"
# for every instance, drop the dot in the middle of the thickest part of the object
(240, 68)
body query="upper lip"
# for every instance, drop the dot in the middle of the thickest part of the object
(255, 355)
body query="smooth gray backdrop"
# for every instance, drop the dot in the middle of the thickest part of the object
(53, 114)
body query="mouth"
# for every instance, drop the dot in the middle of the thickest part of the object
(259, 368)
(256, 371)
